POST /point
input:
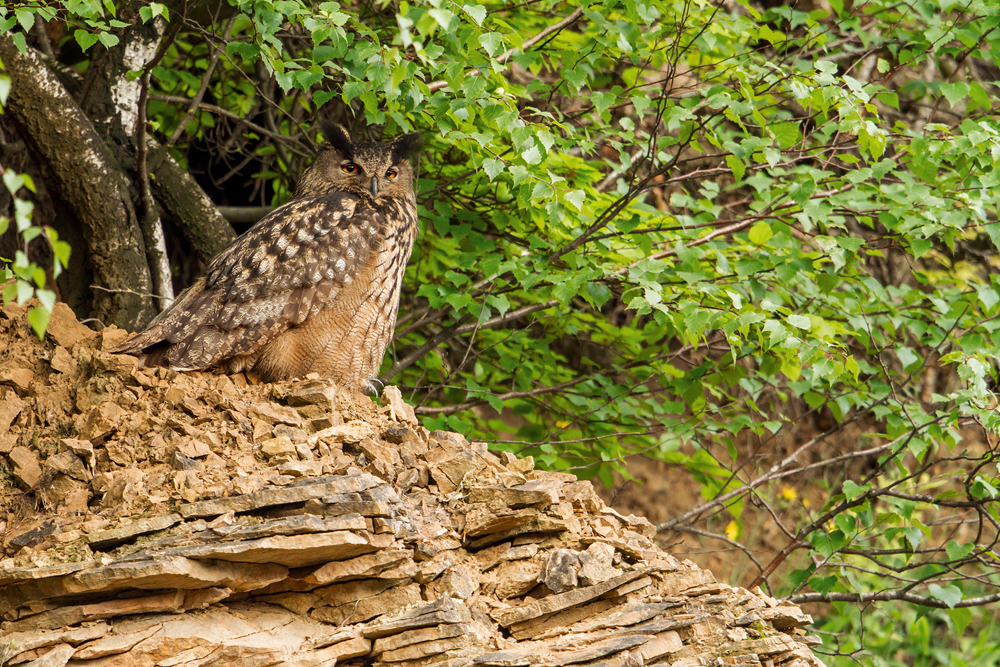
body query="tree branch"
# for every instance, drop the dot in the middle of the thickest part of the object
(777, 472)
(187, 205)
(451, 409)
(244, 215)
(223, 112)
(411, 358)
(435, 86)
(885, 596)
(205, 80)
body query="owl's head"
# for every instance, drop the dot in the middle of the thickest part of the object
(370, 169)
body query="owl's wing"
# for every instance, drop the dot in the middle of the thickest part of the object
(280, 272)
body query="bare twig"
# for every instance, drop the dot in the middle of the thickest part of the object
(411, 358)
(449, 409)
(224, 112)
(196, 100)
(528, 43)
(885, 596)
(777, 472)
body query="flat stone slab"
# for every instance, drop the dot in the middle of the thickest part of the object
(533, 609)
(65, 616)
(28, 641)
(443, 611)
(104, 540)
(163, 573)
(538, 493)
(287, 550)
(15, 574)
(296, 493)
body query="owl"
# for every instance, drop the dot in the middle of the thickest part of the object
(311, 288)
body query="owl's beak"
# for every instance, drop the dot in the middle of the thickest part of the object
(374, 187)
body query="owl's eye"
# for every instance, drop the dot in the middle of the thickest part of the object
(349, 168)
(392, 173)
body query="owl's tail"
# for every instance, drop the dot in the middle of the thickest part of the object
(170, 338)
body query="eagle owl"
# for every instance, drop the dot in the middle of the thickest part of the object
(311, 288)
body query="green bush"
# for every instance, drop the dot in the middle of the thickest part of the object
(715, 234)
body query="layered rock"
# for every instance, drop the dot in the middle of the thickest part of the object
(168, 519)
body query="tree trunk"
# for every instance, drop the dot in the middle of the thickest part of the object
(88, 182)
(85, 142)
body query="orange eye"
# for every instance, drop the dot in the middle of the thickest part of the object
(349, 168)
(392, 173)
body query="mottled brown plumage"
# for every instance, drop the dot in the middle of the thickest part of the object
(312, 287)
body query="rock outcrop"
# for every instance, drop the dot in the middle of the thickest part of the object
(156, 518)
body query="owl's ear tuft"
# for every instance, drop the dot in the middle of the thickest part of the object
(406, 146)
(338, 137)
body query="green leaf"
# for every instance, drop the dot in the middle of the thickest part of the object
(889, 99)
(25, 18)
(982, 489)
(493, 167)
(852, 490)
(958, 551)
(491, 42)
(951, 595)
(85, 39)
(14, 182)
(737, 167)
(978, 97)
(38, 318)
(47, 298)
(10, 292)
(160, 9)
(500, 302)
(108, 39)
(532, 155)
(477, 12)
(442, 16)
(321, 97)
(961, 618)
(955, 92)
(576, 198)
(760, 233)
(20, 43)
(61, 249)
(907, 357)
(799, 322)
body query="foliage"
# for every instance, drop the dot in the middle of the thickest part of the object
(907, 636)
(703, 232)
(20, 278)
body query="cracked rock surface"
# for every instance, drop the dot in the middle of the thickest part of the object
(152, 518)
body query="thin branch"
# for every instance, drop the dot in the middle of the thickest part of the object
(886, 596)
(205, 80)
(174, 99)
(777, 472)
(244, 214)
(449, 409)
(435, 86)
(723, 538)
(411, 358)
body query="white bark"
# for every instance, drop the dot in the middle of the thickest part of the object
(138, 50)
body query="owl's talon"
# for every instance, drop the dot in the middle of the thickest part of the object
(372, 387)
